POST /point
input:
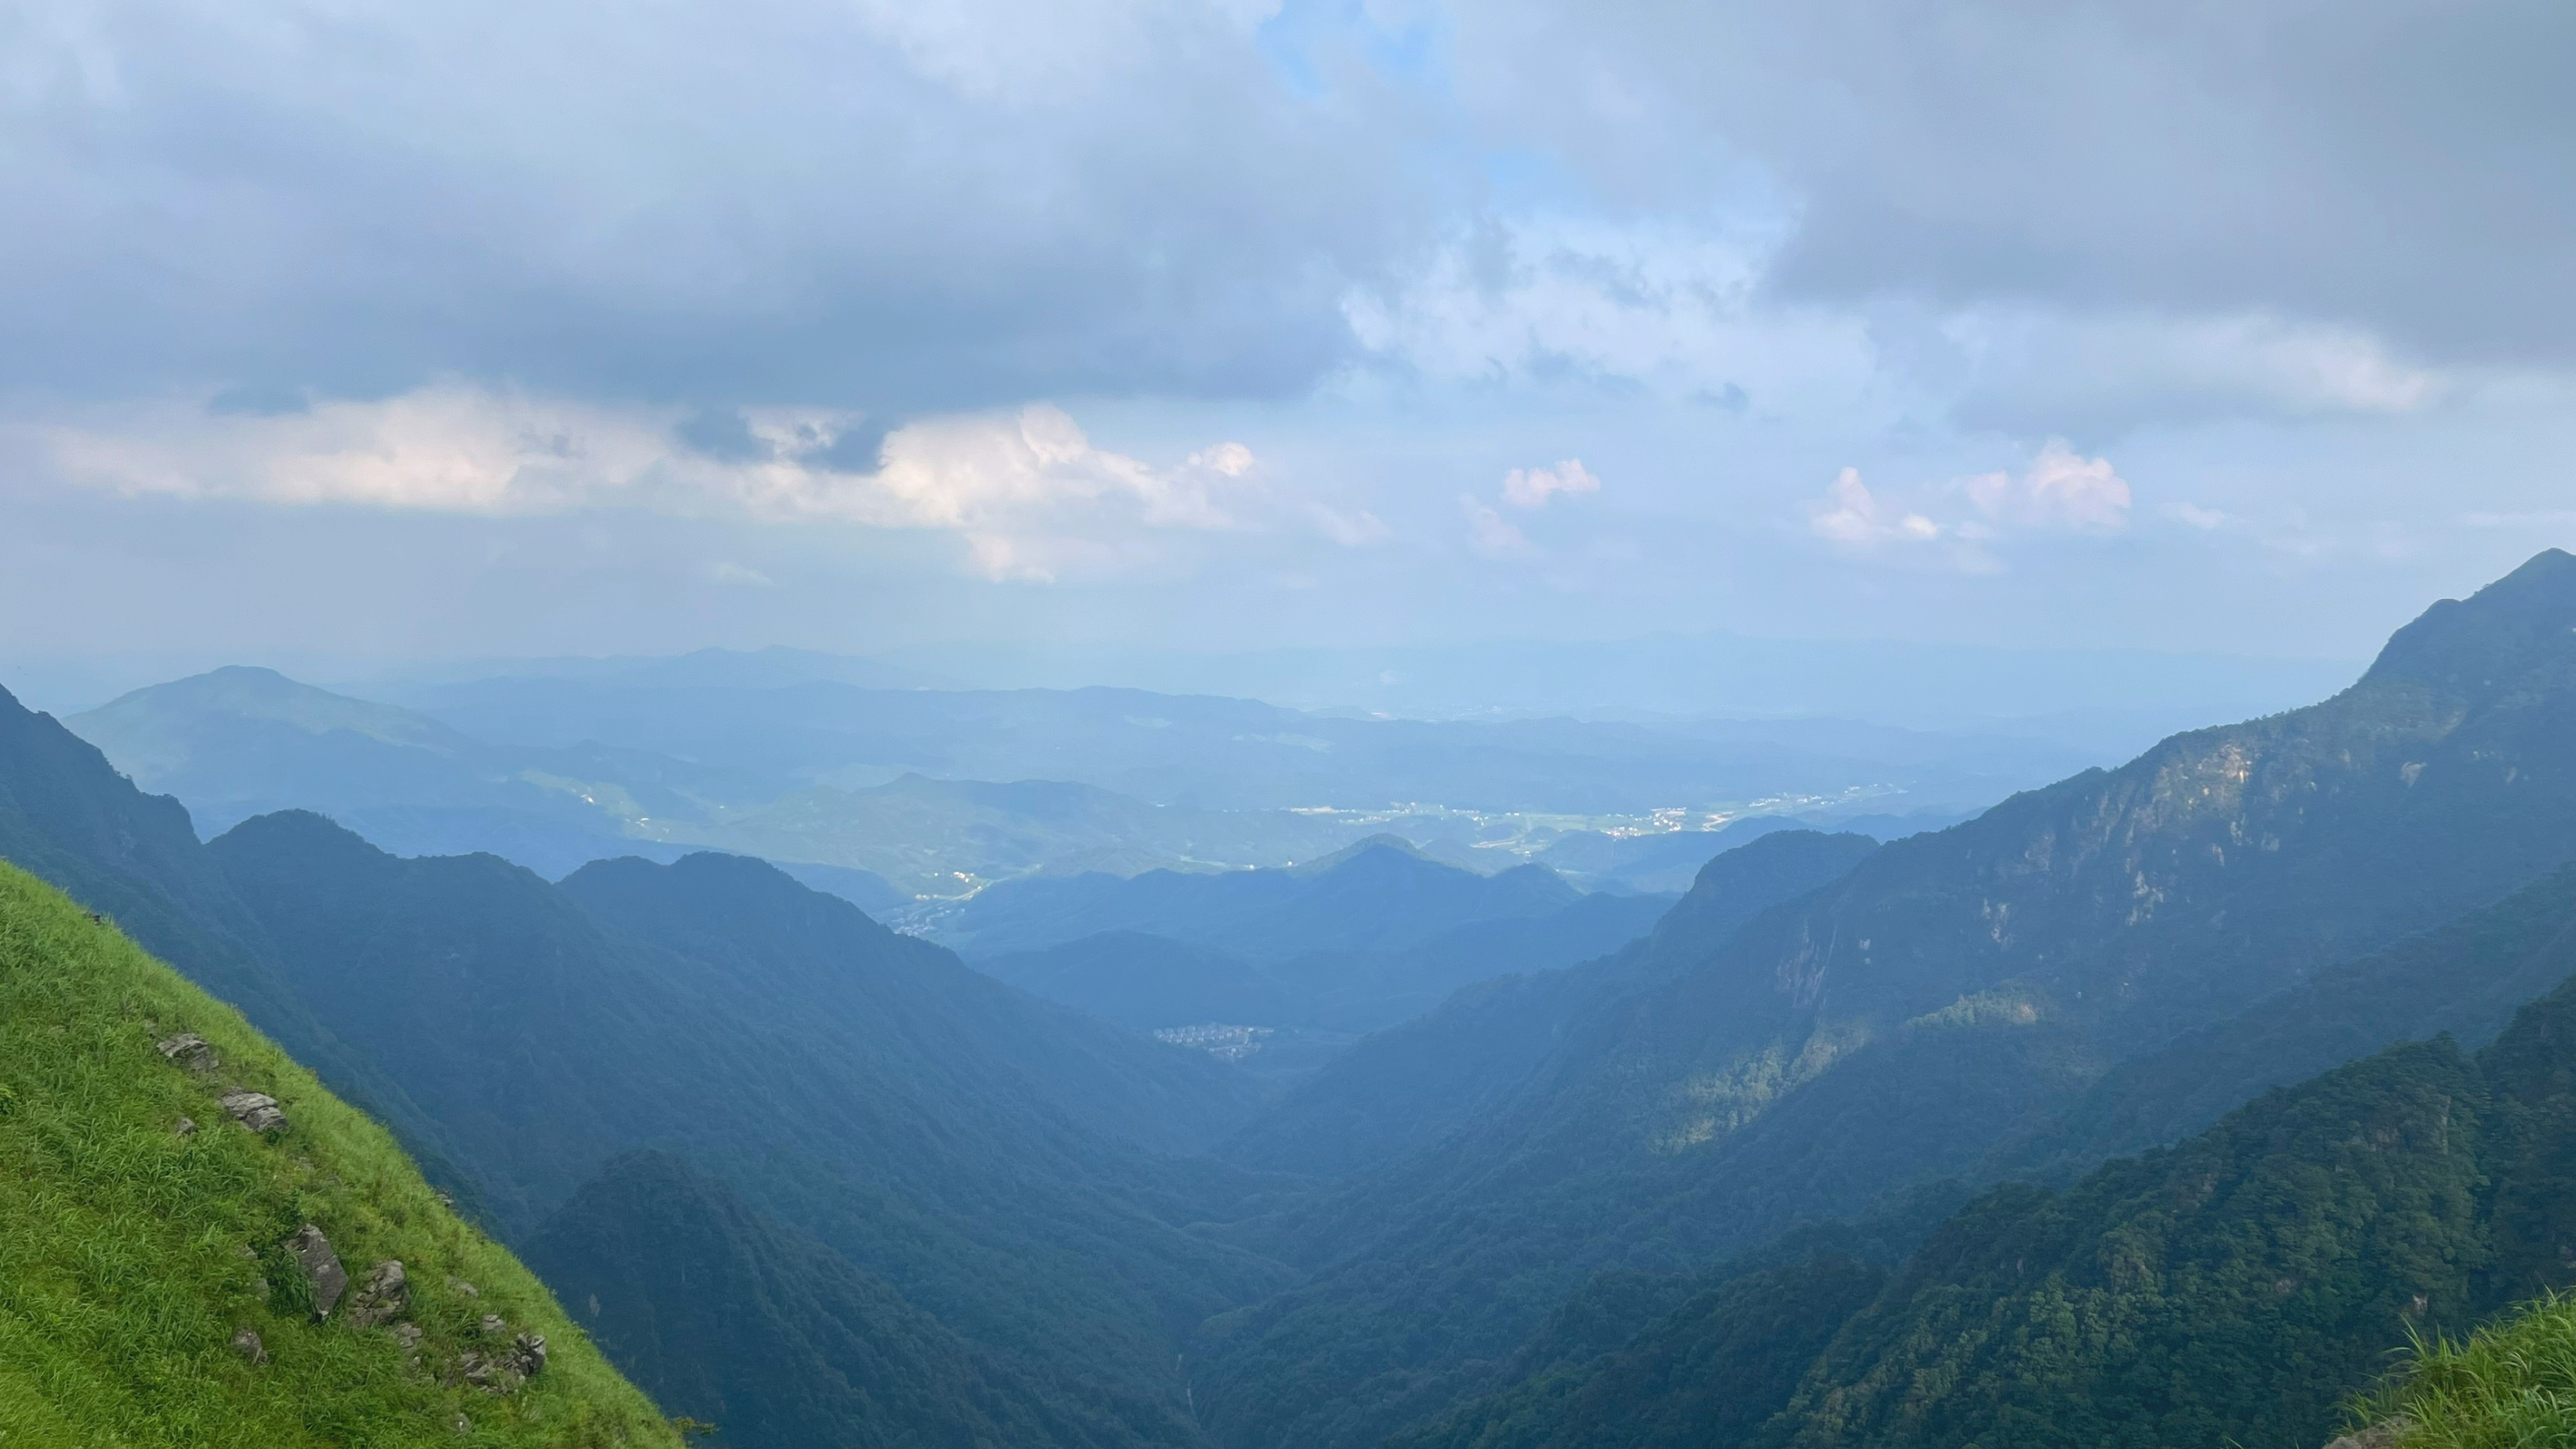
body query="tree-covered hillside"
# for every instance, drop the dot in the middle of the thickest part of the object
(1899, 1024)
(732, 1319)
(183, 1263)
(2241, 1288)
(992, 1156)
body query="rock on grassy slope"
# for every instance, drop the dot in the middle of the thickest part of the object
(158, 1285)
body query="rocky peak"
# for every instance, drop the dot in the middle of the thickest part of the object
(2493, 642)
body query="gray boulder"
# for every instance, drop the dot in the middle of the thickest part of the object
(321, 1268)
(189, 1050)
(383, 1297)
(247, 1344)
(257, 1111)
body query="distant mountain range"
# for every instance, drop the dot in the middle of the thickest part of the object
(1823, 1157)
(939, 791)
(1359, 940)
(1954, 991)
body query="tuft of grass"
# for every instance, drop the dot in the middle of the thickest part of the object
(131, 1254)
(2511, 1385)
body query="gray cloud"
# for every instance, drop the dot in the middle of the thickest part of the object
(783, 201)
(2393, 165)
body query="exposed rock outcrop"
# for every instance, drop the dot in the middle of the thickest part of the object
(502, 1370)
(257, 1111)
(247, 1344)
(382, 1298)
(321, 1268)
(189, 1050)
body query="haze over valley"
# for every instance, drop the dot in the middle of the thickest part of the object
(1155, 724)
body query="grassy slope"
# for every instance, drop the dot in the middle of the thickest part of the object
(122, 1272)
(2510, 1386)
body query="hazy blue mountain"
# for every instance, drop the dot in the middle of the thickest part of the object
(241, 742)
(865, 889)
(2107, 701)
(1145, 982)
(1670, 860)
(1368, 990)
(1404, 1090)
(1379, 894)
(1149, 982)
(944, 837)
(1239, 754)
(1951, 989)
(1663, 861)
(699, 668)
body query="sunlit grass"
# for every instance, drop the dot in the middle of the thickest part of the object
(130, 1255)
(2511, 1385)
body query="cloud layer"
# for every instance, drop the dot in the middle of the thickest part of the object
(1026, 489)
(780, 201)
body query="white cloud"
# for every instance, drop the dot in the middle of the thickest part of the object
(2060, 489)
(1026, 489)
(1492, 535)
(1532, 487)
(1850, 516)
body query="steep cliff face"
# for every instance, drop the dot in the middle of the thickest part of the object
(204, 1246)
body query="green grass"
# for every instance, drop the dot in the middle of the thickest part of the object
(2512, 1385)
(123, 1271)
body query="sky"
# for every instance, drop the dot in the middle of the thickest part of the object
(413, 331)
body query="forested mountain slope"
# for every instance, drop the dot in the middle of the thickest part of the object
(731, 1319)
(1407, 1088)
(1949, 991)
(979, 1150)
(1147, 981)
(172, 1276)
(2237, 1289)
(992, 1157)
(67, 817)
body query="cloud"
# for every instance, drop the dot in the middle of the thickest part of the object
(1532, 487)
(926, 207)
(2060, 489)
(1026, 489)
(1851, 517)
(1490, 535)
(2365, 166)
